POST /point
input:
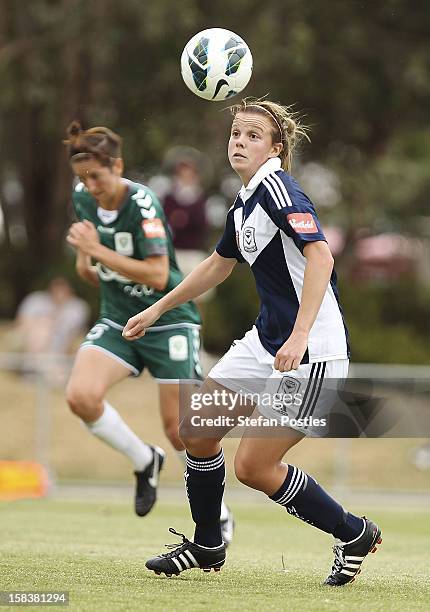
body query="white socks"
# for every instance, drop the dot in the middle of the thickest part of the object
(224, 510)
(182, 457)
(113, 430)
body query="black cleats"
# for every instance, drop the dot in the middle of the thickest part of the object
(349, 556)
(187, 556)
(227, 528)
(147, 482)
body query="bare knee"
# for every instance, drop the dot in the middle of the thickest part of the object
(193, 445)
(248, 473)
(200, 447)
(172, 434)
(87, 404)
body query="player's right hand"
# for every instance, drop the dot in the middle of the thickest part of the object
(136, 326)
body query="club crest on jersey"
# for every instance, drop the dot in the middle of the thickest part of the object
(124, 243)
(249, 243)
(302, 223)
(153, 228)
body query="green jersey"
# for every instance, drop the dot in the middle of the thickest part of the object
(138, 229)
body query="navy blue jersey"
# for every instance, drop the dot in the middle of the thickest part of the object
(268, 226)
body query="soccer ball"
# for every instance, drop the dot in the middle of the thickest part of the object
(216, 64)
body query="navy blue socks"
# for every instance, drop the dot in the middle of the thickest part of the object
(303, 497)
(300, 495)
(205, 479)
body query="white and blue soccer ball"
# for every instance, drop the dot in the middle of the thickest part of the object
(216, 64)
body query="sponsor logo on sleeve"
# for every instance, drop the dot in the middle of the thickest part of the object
(153, 228)
(302, 223)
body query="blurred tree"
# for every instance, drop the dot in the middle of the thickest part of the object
(46, 71)
(359, 70)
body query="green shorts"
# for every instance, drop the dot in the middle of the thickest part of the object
(170, 352)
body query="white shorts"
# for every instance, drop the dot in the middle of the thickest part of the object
(299, 399)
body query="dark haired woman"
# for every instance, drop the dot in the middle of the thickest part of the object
(124, 247)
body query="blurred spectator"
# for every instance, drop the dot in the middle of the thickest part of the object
(50, 321)
(185, 208)
(183, 196)
(386, 257)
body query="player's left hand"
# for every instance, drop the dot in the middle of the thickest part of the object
(84, 236)
(291, 352)
(136, 326)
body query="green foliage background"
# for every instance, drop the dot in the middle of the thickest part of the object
(359, 70)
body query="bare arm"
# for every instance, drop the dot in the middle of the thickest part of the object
(319, 266)
(85, 269)
(152, 271)
(211, 272)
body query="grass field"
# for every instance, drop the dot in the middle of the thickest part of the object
(96, 550)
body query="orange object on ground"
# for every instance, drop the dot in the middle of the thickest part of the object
(22, 479)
